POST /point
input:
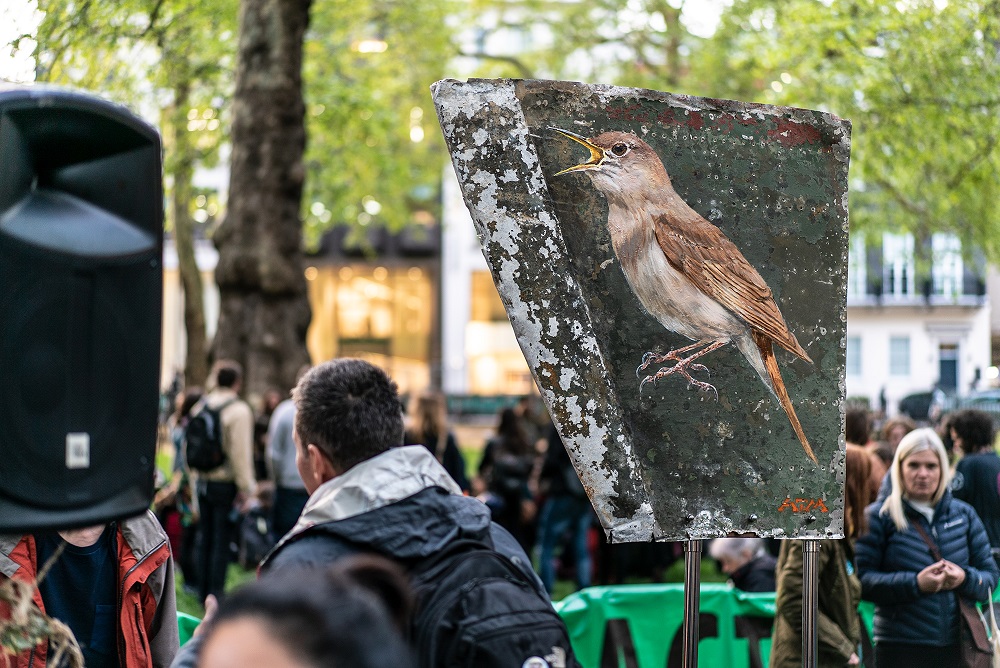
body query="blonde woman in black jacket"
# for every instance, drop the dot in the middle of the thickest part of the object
(916, 609)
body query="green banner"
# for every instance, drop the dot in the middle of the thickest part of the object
(640, 626)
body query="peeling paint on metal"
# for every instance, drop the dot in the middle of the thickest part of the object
(487, 125)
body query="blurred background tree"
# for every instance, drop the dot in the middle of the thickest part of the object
(168, 59)
(918, 78)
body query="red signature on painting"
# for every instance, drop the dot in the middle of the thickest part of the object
(802, 505)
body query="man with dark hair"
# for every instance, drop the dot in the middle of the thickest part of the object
(977, 474)
(231, 485)
(371, 494)
(348, 433)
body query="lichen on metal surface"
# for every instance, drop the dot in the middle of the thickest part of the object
(514, 229)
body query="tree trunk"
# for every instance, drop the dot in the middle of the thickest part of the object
(196, 359)
(264, 310)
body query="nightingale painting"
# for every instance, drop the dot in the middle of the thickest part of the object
(685, 272)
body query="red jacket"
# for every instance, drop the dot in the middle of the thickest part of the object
(147, 611)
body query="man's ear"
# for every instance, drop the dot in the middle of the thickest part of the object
(322, 468)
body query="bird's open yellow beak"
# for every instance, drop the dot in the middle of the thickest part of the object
(596, 152)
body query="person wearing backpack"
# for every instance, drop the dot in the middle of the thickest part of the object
(230, 484)
(478, 602)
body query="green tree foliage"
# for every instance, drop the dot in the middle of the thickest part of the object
(919, 79)
(374, 154)
(171, 60)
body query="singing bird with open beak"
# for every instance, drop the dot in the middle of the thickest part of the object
(685, 271)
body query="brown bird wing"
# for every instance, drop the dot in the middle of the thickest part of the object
(716, 266)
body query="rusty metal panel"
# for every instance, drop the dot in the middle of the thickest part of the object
(707, 239)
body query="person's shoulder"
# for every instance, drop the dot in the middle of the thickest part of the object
(312, 549)
(283, 411)
(957, 506)
(143, 533)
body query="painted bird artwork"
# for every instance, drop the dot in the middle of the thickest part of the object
(685, 272)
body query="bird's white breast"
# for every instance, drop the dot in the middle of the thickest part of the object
(674, 300)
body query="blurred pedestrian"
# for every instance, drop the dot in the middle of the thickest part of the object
(371, 494)
(506, 468)
(427, 425)
(180, 492)
(290, 493)
(978, 471)
(857, 426)
(893, 431)
(261, 427)
(229, 489)
(838, 627)
(566, 516)
(746, 561)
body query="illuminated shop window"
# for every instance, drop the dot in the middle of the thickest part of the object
(381, 314)
(495, 362)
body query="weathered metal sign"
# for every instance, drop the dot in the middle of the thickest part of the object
(675, 270)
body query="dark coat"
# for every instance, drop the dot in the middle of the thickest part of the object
(411, 529)
(756, 575)
(451, 457)
(888, 562)
(975, 482)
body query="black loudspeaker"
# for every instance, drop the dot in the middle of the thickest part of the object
(81, 245)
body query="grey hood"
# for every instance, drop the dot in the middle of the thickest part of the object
(392, 476)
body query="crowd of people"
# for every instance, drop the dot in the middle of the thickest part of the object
(524, 476)
(920, 544)
(369, 521)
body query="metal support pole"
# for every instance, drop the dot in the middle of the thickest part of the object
(692, 601)
(810, 601)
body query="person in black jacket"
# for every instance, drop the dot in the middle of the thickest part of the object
(916, 607)
(746, 561)
(370, 494)
(427, 425)
(566, 515)
(977, 472)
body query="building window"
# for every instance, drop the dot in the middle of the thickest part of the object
(899, 356)
(853, 355)
(857, 273)
(495, 362)
(381, 314)
(946, 267)
(897, 265)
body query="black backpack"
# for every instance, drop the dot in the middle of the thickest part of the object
(203, 439)
(476, 608)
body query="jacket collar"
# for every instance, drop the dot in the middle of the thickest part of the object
(392, 476)
(8, 544)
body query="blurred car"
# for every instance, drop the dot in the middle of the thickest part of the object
(986, 400)
(917, 405)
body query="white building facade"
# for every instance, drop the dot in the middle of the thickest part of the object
(909, 330)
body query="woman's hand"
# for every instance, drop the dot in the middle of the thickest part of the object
(932, 579)
(854, 660)
(954, 575)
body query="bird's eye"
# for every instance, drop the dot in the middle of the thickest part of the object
(619, 149)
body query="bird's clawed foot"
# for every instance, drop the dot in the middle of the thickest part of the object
(682, 367)
(650, 359)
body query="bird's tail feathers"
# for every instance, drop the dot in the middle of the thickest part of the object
(777, 385)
